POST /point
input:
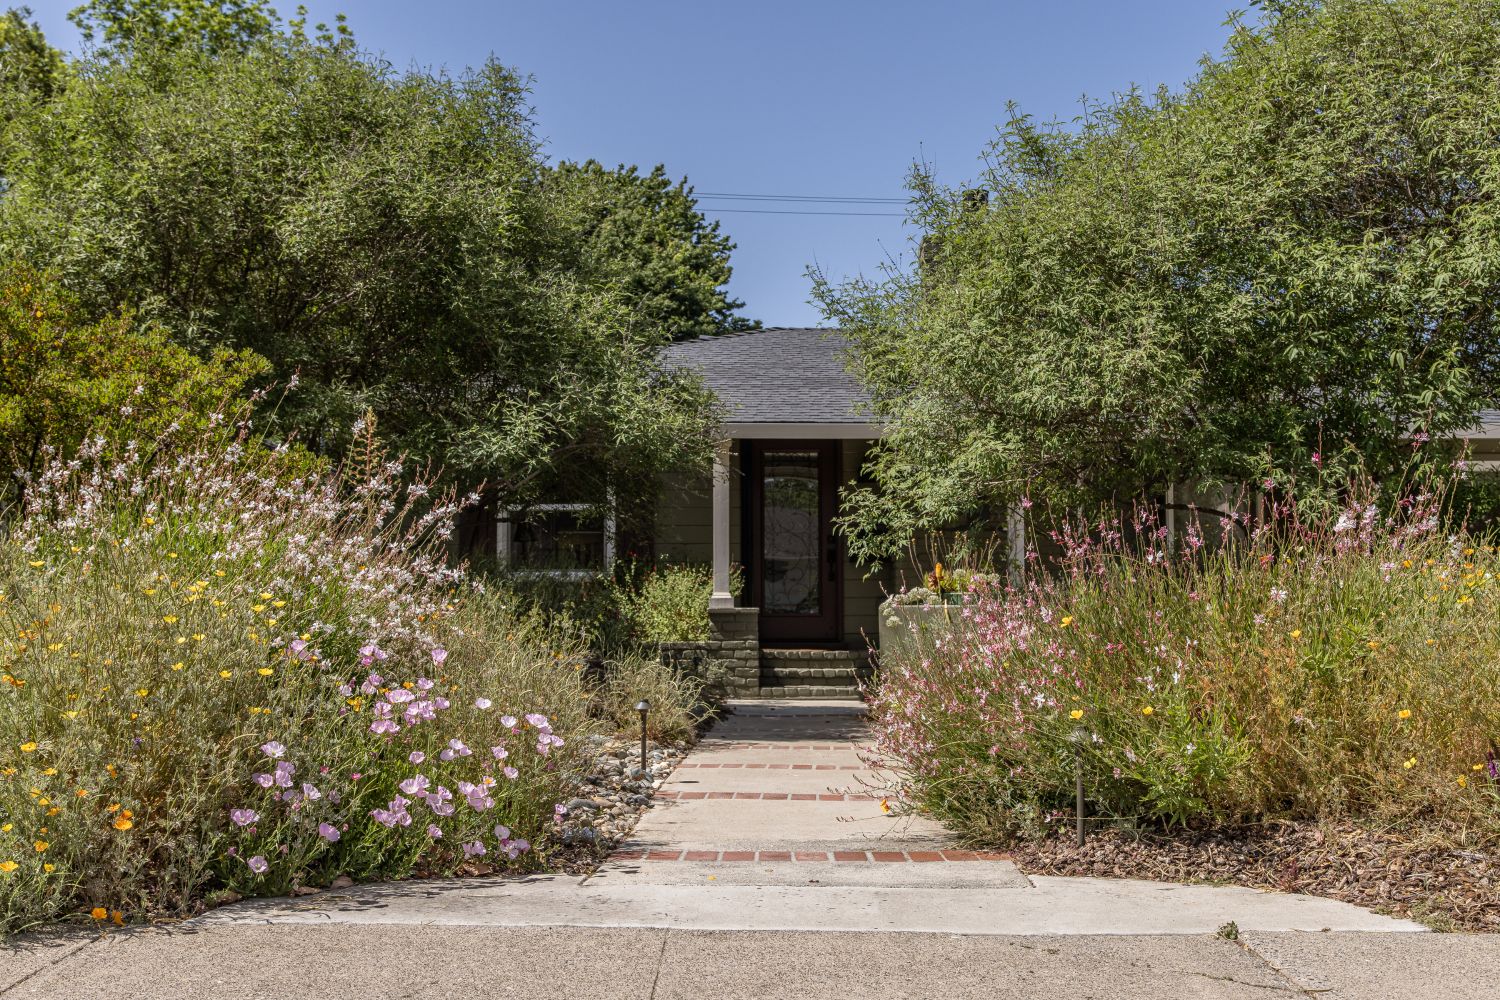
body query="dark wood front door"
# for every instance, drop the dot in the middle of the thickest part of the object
(794, 564)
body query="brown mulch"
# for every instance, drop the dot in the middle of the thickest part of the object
(1390, 871)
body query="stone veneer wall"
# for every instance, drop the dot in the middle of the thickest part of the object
(730, 657)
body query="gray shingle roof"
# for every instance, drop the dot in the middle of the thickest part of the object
(777, 375)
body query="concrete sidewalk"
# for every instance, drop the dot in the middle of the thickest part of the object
(769, 869)
(375, 962)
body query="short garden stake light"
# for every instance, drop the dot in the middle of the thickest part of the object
(643, 706)
(1078, 738)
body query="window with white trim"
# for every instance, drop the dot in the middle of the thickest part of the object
(565, 540)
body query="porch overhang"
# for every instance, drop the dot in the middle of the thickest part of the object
(801, 431)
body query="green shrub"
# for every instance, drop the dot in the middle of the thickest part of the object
(215, 676)
(669, 602)
(1337, 667)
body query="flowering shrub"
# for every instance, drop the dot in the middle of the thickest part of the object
(1342, 665)
(219, 671)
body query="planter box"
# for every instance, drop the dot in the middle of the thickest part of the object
(908, 630)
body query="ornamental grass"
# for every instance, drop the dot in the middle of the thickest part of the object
(221, 673)
(1335, 666)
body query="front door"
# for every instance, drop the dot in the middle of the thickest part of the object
(794, 557)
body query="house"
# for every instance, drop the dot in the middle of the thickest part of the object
(797, 428)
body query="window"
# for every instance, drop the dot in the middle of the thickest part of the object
(558, 539)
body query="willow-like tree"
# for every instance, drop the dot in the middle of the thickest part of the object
(1295, 254)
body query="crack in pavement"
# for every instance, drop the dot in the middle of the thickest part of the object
(50, 965)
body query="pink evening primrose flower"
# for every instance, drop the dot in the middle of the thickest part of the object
(500, 752)
(502, 832)
(434, 831)
(438, 656)
(263, 780)
(310, 790)
(416, 757)
(258, 865)
(538, 720)
(473, 849)
(415, 785)
(482, 703)
(425, 683)
(508, 721)
(273, 749)
(328, 832)
(512, 773)
(396, 696)
(243, 817)
(284, 772)
(383, 726)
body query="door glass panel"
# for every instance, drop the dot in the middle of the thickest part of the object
(791, 529)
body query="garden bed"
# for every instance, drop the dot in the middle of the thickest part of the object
(1396, 871)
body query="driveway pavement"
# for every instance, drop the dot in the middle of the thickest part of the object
(769, 869)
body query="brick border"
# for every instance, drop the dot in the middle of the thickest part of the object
(692, 796)
(803, 857)
(782, 767)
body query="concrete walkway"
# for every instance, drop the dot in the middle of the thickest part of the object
(768, 869)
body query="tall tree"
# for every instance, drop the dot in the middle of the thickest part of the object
(1291, 259)
(395, 239)
(644, 233)
(31, 71)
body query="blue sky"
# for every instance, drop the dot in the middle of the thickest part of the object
(772, 97)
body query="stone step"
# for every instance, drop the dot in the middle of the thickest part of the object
(812, 673)
(848, 692)
(781, 672)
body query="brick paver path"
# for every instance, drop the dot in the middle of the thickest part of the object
(783, 783)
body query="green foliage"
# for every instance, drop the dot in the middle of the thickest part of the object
(31, 71)
(646, 235)
(122, 28)
(1292, 255)
(1325, 668)
(63, 379)
(669, 603)
(392, 239)
(677, 700)
(167, 613)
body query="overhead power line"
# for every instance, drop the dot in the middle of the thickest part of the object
(790, 211)
(794, 198)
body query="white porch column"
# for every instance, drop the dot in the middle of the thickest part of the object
(721, 597)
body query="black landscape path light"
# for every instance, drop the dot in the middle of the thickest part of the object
(643, 706)
(1078, 738)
